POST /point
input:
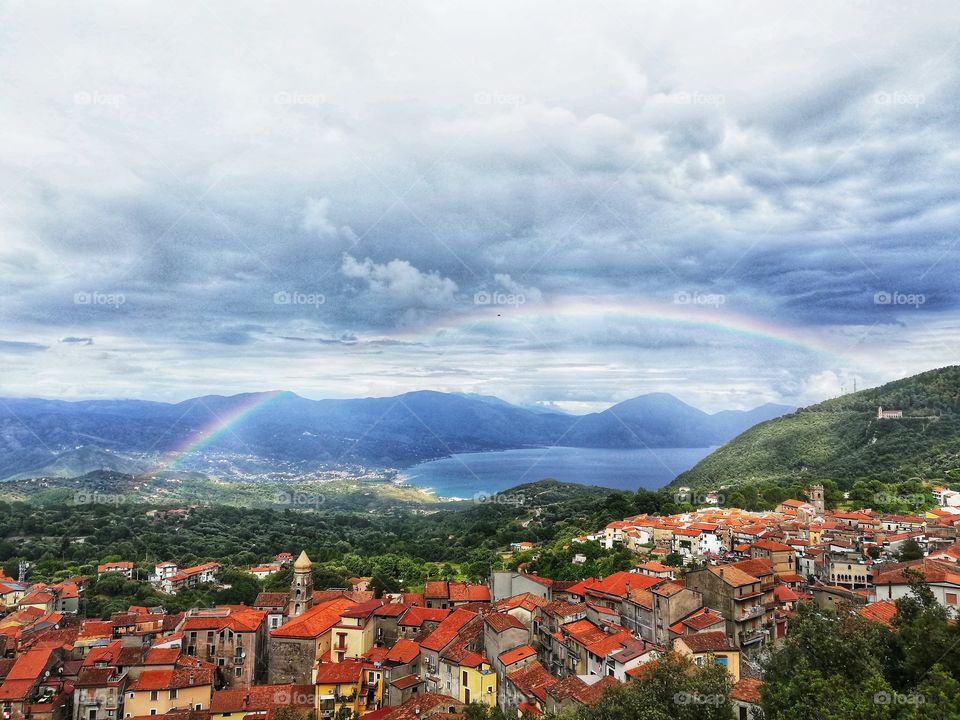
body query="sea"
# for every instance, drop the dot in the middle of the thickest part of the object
(469, 475)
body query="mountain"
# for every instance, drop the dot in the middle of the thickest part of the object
(842, 439)
(285, 432)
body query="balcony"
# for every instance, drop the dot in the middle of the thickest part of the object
(751, 612)
(748, 638)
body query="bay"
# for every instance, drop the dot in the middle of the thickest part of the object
(465, 475)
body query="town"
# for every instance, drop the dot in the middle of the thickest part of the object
(716, 586)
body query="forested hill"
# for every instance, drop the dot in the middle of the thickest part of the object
(843, 440)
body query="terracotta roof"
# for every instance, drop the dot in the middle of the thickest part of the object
(403, 651)
(516, 655)
(238, 618)
(436, 590)
(881, 612)
(447, 630)
(422, 706)
(732, 576)
(532, 680)
(501, 622)
(391, 610)
(771, 546)
(272, 600)
(782, 593)
(707, 642)
(315, 621)
(261, 698)
(747, 690)
(406, 681)
(667, 589)
(347, 671)
(757, 567)
(698, 620)
(172, 679)
(416, 616)
(655, 566)
(934, 571)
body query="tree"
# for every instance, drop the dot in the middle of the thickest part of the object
(243, 589)
(910, 550)
(674, 688)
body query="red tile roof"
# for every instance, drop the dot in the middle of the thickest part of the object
(448, 629)
(315, 621)
(172, 679)
(417, 615)
(747, 690)
(707, 642)
(532, 680)
(501, 622)
(516, 655)
(262, 697)
(881, 612)
(403, 651)
(347, 671)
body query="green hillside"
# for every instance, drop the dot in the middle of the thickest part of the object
(843, 440)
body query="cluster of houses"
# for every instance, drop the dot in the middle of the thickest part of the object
(524, 643)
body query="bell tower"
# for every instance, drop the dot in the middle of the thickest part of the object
(815, 495)
(301, 587)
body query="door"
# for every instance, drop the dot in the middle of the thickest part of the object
(466, 695)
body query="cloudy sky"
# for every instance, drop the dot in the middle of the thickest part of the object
(557, 203)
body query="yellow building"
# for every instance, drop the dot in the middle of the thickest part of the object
(711, 647)
(157, 692)
(357, 686)
(353, 636)
(478, 683)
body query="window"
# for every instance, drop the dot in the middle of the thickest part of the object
(721, 660)
(464, 677)
(951, 598)
(173, 694)
(237, 671)
(153, 711)
(154, 695)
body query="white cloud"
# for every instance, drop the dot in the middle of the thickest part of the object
(316, 217)
(402, 283)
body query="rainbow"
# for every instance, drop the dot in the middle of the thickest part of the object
(696, 316)
(218, 427)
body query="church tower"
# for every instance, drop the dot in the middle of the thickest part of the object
(301, 587)
(816, 496)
